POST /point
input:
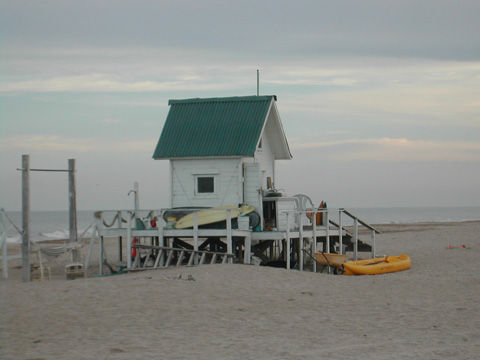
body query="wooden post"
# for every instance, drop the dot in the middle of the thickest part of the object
(229, 234)
(26, 217)
(72, 201)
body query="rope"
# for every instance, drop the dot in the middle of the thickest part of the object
(11, 222)
(111, 224)
(88, 228)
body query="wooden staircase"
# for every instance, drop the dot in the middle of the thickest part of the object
(152, 257)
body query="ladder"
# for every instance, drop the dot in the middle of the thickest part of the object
(161, 257)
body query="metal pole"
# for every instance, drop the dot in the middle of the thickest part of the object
(26, 217)
(258, 82)
(72, 201)
(136, 197)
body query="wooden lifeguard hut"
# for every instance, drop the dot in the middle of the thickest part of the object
(222, 153)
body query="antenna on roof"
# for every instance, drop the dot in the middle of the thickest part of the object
(258, 82)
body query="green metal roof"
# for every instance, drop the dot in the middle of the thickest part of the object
(229, 126)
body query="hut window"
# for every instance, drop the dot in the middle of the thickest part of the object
(205, 185)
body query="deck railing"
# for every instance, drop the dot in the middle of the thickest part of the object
(117, 218)
(340, 226)
(5, 224)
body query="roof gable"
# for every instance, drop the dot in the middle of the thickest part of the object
(213, 127)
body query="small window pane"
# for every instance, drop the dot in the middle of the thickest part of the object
(205, 185)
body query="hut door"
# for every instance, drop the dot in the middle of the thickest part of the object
(252, 194)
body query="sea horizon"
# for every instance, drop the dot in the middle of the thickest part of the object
(53, 224)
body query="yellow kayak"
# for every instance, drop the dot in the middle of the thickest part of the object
(376, 266)
(330, 259)
(213, 215)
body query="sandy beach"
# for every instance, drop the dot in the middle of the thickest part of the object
(431, 311)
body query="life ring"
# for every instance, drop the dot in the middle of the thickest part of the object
(133, 251)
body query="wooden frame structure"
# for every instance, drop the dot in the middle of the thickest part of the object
(25, 169)
(163, 252)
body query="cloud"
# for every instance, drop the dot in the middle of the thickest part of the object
(69, 144)
(106, 83)
(390, 149)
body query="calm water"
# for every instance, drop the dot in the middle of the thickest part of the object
(47, 225)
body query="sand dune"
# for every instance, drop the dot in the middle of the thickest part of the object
(431, 311)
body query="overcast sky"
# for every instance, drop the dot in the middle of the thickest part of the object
(380, 100)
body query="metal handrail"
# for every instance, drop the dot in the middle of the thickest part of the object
(340, 226)
(346, 212)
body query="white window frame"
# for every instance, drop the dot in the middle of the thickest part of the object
(215, 185)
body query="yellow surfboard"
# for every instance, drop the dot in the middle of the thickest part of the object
(213, 215)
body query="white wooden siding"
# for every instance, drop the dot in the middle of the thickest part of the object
(227, 173)
(264, 156)
(252, 185)
(282, 205)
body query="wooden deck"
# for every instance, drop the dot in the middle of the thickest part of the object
(238, 244)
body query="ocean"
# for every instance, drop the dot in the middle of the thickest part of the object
(50, 225)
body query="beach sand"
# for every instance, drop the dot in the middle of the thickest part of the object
(431, 311)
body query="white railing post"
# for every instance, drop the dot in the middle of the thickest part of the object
(195, 236)
(120, 245)
(314, 233)
(327, 230)
(3, 240)
(340, 234)
(374, 253)
(161, 241)
(248, 246)
(129, 241)
(355, 239)
(287, 240)
(300, 244)
(229, 235)
(26, 217)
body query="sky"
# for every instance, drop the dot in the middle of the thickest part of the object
(380, 100)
